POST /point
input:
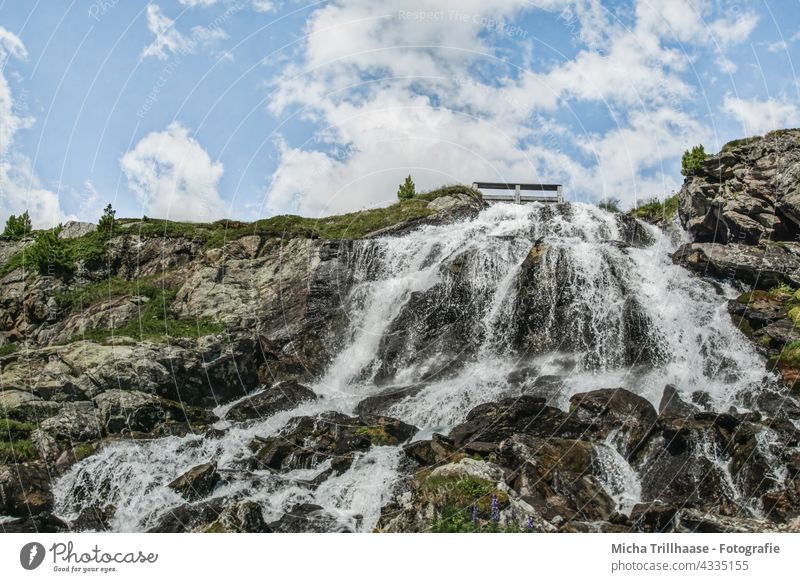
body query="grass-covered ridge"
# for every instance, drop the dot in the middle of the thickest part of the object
(51, 255)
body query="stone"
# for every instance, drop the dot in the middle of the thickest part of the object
(76, 229)
(282, 396)
(307, 518)
(197, 482)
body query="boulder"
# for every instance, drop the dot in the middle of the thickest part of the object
(76, 229)
(763, 266)
(307, 441)
(496, 421)
(283, 396)
(627, 417)
(240, 517)
(307, 518)
(25, 489)
(197, 482)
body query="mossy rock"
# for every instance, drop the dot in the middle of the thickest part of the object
(463, 491)
(13, 430)
(377, 436)
(18, 451)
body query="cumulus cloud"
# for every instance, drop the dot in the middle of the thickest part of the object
(174, 177)
(396, 86)
(20, 188)
(760, 116)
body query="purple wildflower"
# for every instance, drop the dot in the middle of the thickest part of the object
(475, 513)
(495, 509)
(529, 523)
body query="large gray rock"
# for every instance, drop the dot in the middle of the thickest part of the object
(763, 265)
(282, 396)
(76, 229)
(748, 192)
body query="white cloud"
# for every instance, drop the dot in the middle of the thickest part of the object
(758, 117)
(168, 38)
(258, 5)
(396, 106)
(174, 177)
(20, 188)
(193, 3)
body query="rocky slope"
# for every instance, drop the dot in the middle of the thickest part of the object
(183, 341)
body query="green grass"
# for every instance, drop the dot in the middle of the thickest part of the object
(84, 297)
(91, 248)
(157, 323)
(18, 451)
(655, 210)
(739, 142)
(8, 349)
(454, 520)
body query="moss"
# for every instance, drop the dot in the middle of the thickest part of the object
(788, 358)
(11, 430)
(745, 327)
(216, 527)
(752, 296)
(8, 349)
(794, 315)
(377, 435)
(783, 291)
(83, 450)
(18, 451)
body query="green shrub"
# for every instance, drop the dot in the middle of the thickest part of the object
(406, 191)
(610, 205)
(655, 210)
(692, 160)
(49, 254)
(18, 226)
(106, 224)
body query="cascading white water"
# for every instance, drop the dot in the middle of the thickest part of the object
(585, 285)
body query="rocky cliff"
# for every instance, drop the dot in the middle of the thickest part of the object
(434, 366)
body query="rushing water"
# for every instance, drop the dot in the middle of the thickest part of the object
(605, 314)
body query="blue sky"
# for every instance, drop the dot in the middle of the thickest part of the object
(203, 109)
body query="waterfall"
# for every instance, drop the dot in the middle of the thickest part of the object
(455, 311)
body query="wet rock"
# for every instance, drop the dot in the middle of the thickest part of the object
(382, 402)
(95, 519)
(307, 518)
(692, 520)
(616, 412)
(783, 505)
(189, 517)
(197, 482)
(673, 404)
(307, 441)
(283, 396)
(240, 517)
(556, 476)
(653, 517)
(44, 522)
(25, 489)
(496, 421)
(679, 464)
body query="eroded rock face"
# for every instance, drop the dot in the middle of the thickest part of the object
(747, 193)
(282, 396)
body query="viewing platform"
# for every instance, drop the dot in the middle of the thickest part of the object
(520, 193)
